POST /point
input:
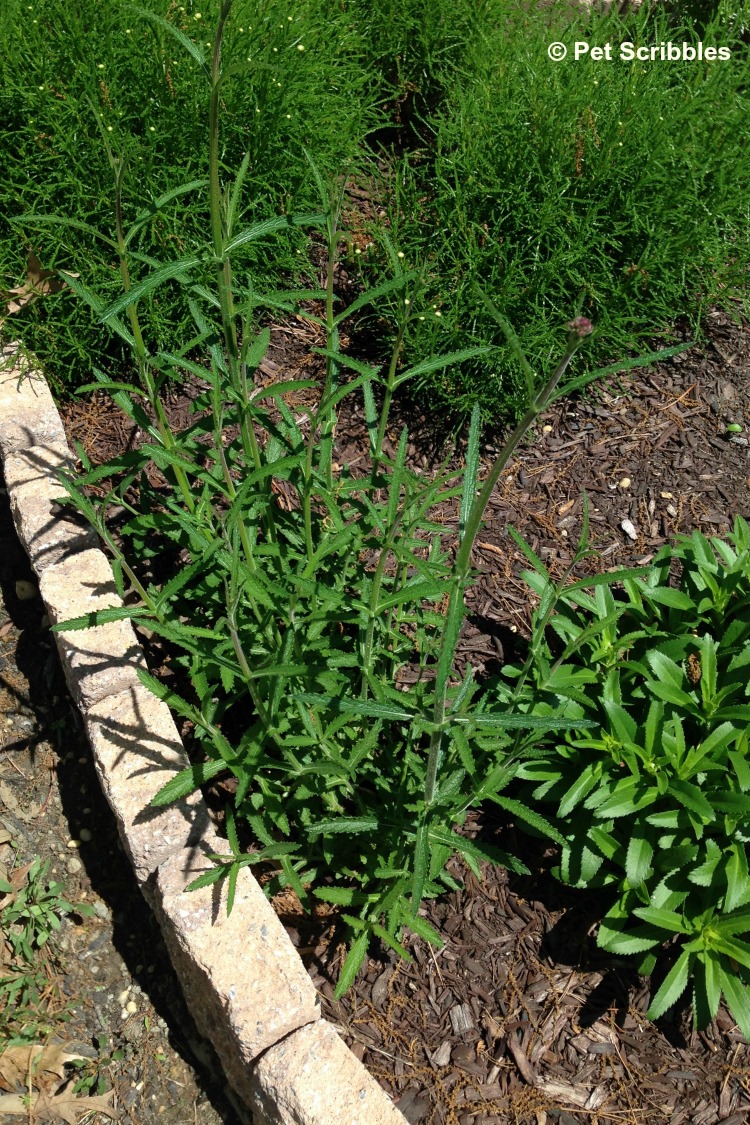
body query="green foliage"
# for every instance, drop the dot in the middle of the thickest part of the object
(655, 806)
(613, 188)
(93, 1075)
(302, 591)
(296, 620)
(71, 74)
(30, 911)
(614, 184)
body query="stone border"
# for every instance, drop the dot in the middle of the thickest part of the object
(243, 980)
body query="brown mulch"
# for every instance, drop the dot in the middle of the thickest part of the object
(518, 1018)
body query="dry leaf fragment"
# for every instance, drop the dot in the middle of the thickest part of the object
(60, 1106)
(17, 877)
(20, 1064)
(39, 282)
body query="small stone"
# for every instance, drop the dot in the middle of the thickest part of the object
(131, 1007)
(123, 1014)
(102, 910)
(625, 482)
(74, 843)
(73, 865)
(86, 835)
(546, 429)
(122, 997)
(666, 496)
(629, 529)
(25, 591)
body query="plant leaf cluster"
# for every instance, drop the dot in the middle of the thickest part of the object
(314, 610)
(655, 806)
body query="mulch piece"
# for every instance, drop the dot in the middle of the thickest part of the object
(518, 1018)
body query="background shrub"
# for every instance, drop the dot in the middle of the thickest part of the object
(617, 185)
(72, 71)
(614, 187)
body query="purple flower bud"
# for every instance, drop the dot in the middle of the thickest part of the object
(581, 326)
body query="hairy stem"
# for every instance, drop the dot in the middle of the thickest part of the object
(462, 564)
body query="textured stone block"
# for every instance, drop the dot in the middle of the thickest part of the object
(312, 1078)
(101, 660)
(137, 748)
(48, 531)
(242, 978)
(26, 407)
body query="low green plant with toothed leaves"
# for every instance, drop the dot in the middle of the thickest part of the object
(301, 589)
(654, 806)
(31, 909)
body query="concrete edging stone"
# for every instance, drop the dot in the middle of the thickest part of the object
(243, 980)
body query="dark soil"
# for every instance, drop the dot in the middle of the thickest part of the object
(518, 1018)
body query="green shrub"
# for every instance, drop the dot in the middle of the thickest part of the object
(295, 619)
(72, 72)
(655, 806)
(614, 184)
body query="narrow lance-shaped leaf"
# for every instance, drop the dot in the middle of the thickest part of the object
(175, 32)
(371, 295)
(271, 226)
(514, 343)
(149, 212)
(471, 470)
(672, 988)
(178, 270)
(354, 959)
(438, 362)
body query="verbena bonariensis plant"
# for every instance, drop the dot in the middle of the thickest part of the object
(655, 806)
(295, 619)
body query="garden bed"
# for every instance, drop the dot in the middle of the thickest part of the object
(518, 1017)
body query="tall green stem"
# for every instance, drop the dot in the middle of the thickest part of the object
(141, 354)
(462, 565)
(237, 370)
(390, 383)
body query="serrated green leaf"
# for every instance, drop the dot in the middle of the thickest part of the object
(340, 896)
(638, 862)
(529, 816)
(422, 928)
(187, 781)
(580, 788)
(364, 708)
(208, 878)
(177, 270)
(352, 964)
(348, 824)
(438, 362)
(271, 226)
(737, 996)
(672, 988)
(662, 919)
